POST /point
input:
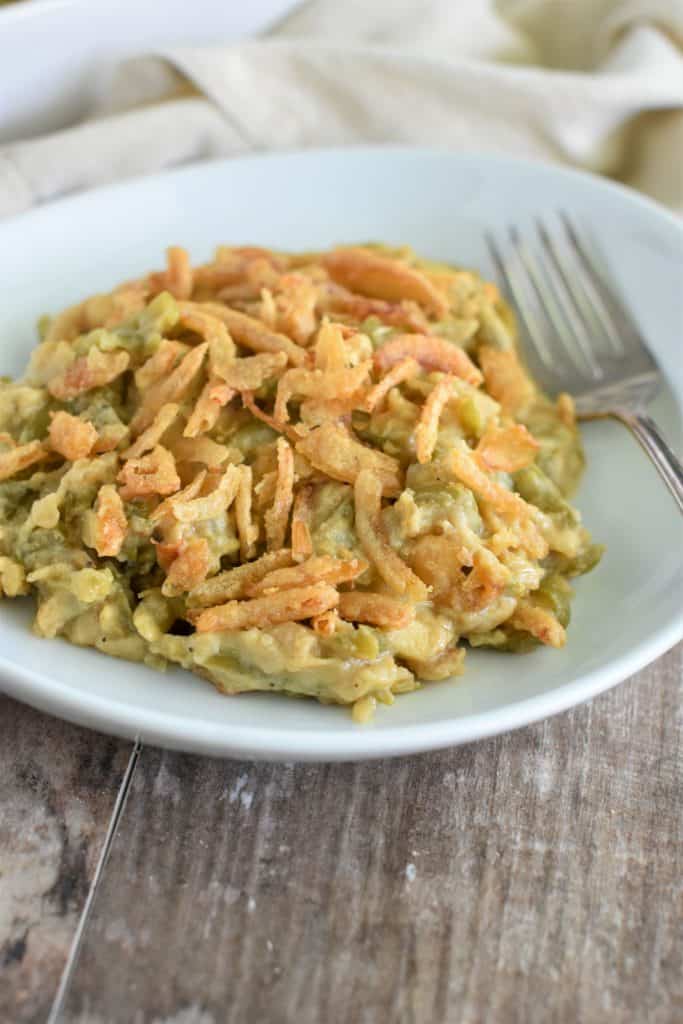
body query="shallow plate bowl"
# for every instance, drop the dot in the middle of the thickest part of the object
(625, 613)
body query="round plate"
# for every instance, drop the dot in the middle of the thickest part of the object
(625, 613)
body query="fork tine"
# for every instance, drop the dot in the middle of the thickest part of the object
(533, 328)
(558, 309)
(586, 300)
(591, 280)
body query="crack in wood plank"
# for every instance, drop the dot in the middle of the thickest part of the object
(58, 784)
(72, 959)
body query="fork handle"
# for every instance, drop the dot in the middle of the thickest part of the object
(644, 428)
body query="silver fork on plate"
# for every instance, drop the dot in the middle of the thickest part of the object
(585, 340)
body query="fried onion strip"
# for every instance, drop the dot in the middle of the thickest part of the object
(16, 459)
(302, 544)
(427, 429)
(317, 569)
(189, 568)
(111, 522)
(319, 384)
(251, 372)
(154, 473)
(333, 450)
(169, 389)
(277, 517)
(285, 606)
(376, 276)
(71, 436)
(247, 530)
(541, 623)
(506, 448)
(390, 566)
(505, 378)
(431, 352)
(255, 335)
(214, 397)
(154, 432)
(463, 466)
(210, 505)
(231, 583)
(403, 370)
(95, 370)
(375, 609)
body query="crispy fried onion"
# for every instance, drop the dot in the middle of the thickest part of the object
(204, 450)
(295, 304)
(505, 378)
(313, 412)
(247, 530)
(165, 508)
(333, 450)
(507, 448)
(169, 389)
(208, 506)
(531, 618)
(214, 396)
(159, 364)
(363, 271)
(485, 582)
(427, 429)
(277, 516)
(189, 568)
(251, 372)
(111, 525)
(251, 333)
(248, 402)
(405, 315)
(405, 369)
(317, 569)
(210, 328)
(566, 409)
(322, 385)
(390, 566)
(326, 623)
(71, 436)
(154, 432)
(461, 463)
(154, 473)
(461, 573)
(16, 459)
(177, 278)
(330, 350)
(431, 353)
(284, 606)
(302, 544)
(231, 584)
(375, 609)
(110, 437)
(87, 372)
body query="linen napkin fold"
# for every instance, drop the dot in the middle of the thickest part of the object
(596, 84)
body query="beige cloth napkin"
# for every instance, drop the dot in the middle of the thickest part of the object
(596, 84)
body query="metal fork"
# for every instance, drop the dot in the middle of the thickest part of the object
(585, 340)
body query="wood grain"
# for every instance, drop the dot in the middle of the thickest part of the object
(58, 784)
(534, 878)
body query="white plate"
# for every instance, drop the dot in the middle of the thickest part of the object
(625, 613)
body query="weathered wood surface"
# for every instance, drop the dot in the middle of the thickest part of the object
(58, 785)
(537, 877)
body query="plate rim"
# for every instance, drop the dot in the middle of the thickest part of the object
(369, 149)
(281, 744)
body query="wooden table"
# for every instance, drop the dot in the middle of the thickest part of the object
(533, 878)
